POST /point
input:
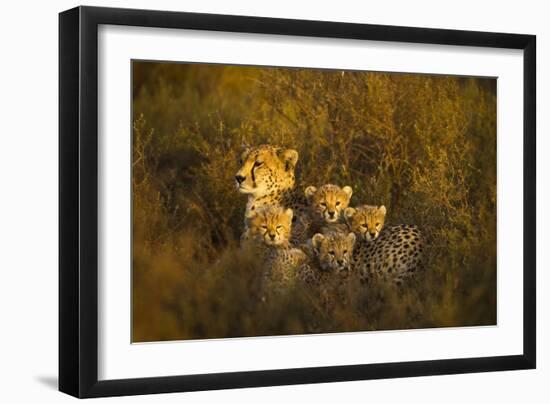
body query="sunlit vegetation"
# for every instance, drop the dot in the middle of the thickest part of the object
(422, 145)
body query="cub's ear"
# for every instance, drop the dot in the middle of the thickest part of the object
(289, 213)
(348, 191)
(351, 238)
(349, 213)
(290, 158)
(248, 216)
(316, 240)
(309, 192)
(382, 209)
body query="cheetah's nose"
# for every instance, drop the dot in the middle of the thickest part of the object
(340, 262)
(239, 178)
(331, 213)
(372, 233)
(272, 236)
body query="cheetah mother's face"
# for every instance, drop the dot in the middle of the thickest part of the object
(266, 169)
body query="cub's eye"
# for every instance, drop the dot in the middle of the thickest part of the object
(241, 161)
(364, 225)
(264, 227)
(279, 227)
(258, 163)
(345, 251)
(337, 203)
(377, 224)
(331, 252)
(324, 205)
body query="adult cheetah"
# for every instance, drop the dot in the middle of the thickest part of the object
(267, 176)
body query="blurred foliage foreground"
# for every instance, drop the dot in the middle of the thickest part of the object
(425, 146)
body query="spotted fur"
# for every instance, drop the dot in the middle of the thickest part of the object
(267, 176)
(334, 263)
(395, 255)
(269, 228)
(334, 252)
(326, 207)
(366, 221)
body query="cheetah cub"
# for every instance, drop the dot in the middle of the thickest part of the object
(392, 253)
(334, 252)
(269, 228)
(366, 221)
(334, 257)
(326, 205)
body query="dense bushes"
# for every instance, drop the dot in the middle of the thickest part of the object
(425, 146)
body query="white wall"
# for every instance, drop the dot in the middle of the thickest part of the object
(28, 214)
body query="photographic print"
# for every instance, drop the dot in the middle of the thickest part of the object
(281, 201)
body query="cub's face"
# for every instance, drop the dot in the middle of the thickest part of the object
(270, 225)
(265, 169)
(366, 221)
(334, 251)
(328, 202)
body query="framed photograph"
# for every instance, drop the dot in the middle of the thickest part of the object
(250, 202)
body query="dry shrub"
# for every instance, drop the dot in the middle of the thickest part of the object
(425, 146)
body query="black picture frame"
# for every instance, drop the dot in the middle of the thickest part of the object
(78, 201)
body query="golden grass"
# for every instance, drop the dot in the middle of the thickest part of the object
(425, 146)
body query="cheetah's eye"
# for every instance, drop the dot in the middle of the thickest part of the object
(258, 163)
(337, 203)
(345, 251)
(324, 205)
(331, 252)
(279, 227)
(364, 225)
(377, 224)
(264, 227)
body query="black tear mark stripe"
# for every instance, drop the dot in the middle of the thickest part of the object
(253, 176)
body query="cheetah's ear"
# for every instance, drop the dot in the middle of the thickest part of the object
(351, 238)
(244, 154)
(309, 192)
(245, 147)
(349, 213)
(289, 213)
(316, 240)
(382, 209)
(290, 158)
(348, 191)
